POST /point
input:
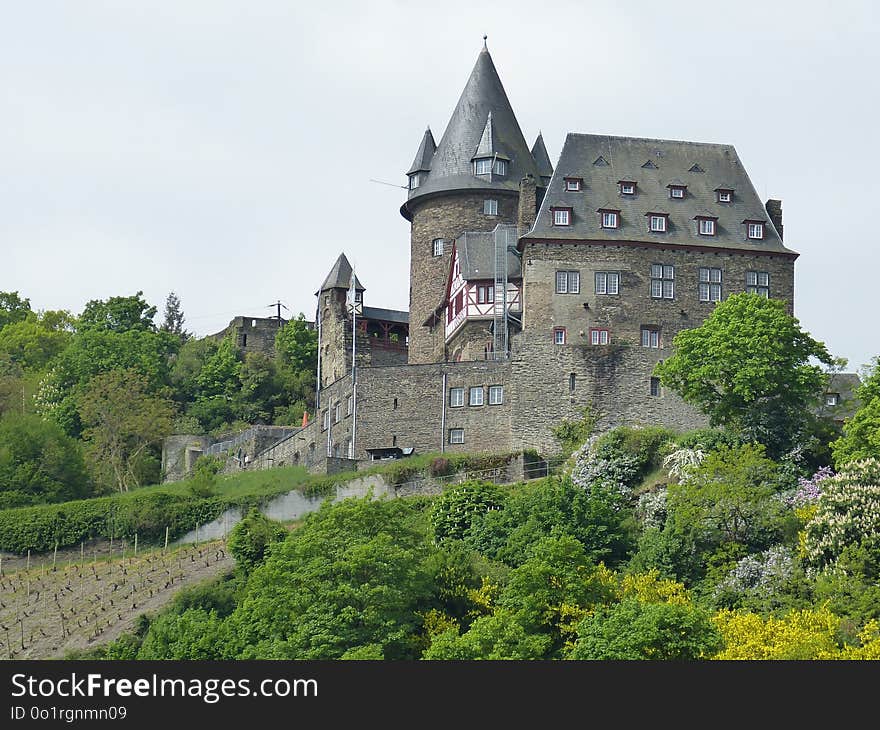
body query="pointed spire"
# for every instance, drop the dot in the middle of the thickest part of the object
(340, 276)
(485, 47)
(470, 129)
(486, 148)
(542, 159)
(425, 153)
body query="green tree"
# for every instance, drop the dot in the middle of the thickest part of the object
(39, 463)
(296, 344)
(748, 367)
(33, 342)
(861, 432)
(122, 420)
(633, 629)
(173, 319)
(352, 575)
(118, 314)
(250, 539)
(499, 636)
(730, 498)
(455, 509)
(193, 634)
(13, 308)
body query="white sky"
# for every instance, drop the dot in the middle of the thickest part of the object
(223, 149)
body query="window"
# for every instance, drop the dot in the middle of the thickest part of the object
(758, 282)
(437, 247)
(609, 218)
(559, 335)
(336, 411)
(349, 405)
(650, 337)
(706, 226)
(348, 450)
(244, 340)
(572, 380)
(456, 397)
(500, 167)
(832, 399)
(490, 207)
(599, 336)
(756, 231)
(607, 282)
(677, 191)
(326, 423)
(496, 395)
(482, 167)
(662, 281)
(710, 285)
(655, 386)
(627, 187)
(572, 184)
(475, 396)
(413, 181)
(394, 404)
(724, 195)
(485, 294)
(568, 282)
(561, 216)
(657, 223)
(456, 435)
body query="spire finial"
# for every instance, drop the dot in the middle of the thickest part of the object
(485, 48)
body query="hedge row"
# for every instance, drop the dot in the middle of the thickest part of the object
(41, 528)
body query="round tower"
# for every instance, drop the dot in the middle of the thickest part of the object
(469, 182)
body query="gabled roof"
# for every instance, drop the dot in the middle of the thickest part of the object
(542, 159)
(673, 164)
(340, 276)
(424, 154)
(476, 255)
(385, 315)
(451, 165)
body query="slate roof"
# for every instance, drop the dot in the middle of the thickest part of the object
(476, 252)
(425, 153)
(542, 159)
(451, 166)
(844, 384)
(386, 315)
(654, 164)
(340, 276)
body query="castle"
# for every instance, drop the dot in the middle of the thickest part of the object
(534, 292)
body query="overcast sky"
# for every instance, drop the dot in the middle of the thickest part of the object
(224, 149)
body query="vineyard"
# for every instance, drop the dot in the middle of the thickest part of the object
(49, 609)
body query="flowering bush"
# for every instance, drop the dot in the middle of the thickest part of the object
(847, 513)
(759, 575)
(808, 490)
(651, 508)
(615, 471)
(679, 464)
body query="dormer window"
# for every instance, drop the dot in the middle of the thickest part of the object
(832, 399)
(754, 229)
(724, 195)
(677, 191)
(627, 187)
(482, 167)
(414, 181)
(561, 216)
(489, 165)
(573, 184)
(705, 225)
(657, 222)
(610, 218)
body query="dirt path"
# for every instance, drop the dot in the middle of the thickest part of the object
(82, 604)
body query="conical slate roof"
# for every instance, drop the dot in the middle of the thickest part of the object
(425, 153)
(542, 159)
(452, 163)
(340, 276)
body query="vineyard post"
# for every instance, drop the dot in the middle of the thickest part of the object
(8, 647)
(55, 556)
(29, 560)
(135, 544)
(21, 623)
(165, 549)
(82, 554)
(1, 566)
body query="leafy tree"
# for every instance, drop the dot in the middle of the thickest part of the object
(13, 308)
(861, 432)
(39, 463)
(33, 342)
(193, 634)
(748, 368)
(454, 510)
(250, 539)
(499, 636)
(571, 433)
(173, 318)
(633, 629)
(118, 314)
(352, 575)
(122, 421)
(296, 344)
(730, 498)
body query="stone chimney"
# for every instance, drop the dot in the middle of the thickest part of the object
(528, 203)
(774, 210)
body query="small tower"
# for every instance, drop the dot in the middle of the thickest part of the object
(334, 322)
(469, 182)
